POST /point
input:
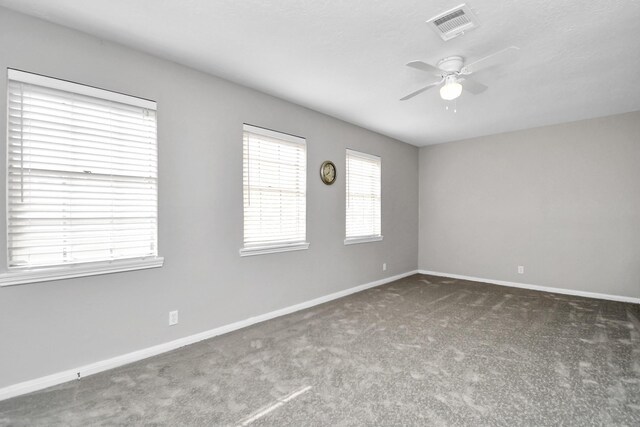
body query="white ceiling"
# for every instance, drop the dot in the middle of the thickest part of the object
(578, 59)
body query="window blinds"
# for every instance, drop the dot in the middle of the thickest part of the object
(363, 195)
(275, 182)
(81, 173)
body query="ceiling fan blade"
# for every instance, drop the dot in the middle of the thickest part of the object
(419, 91)
(504, 56)
(423, 66)
(473, 86)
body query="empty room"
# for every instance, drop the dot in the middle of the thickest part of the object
(320, 213)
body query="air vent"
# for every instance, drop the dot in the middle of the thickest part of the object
(454, 22)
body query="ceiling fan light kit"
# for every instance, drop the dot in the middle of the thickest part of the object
(451, 89)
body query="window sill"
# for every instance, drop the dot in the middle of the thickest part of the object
(262, 250)
(45, 274)
(358, 240)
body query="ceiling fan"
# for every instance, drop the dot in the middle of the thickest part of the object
(455, 74)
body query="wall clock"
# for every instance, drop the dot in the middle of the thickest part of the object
(328, 172)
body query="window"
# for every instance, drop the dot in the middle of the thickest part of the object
(274, 191)
(82, 179)
(363, 198)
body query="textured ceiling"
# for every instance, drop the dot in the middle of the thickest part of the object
(578, 59)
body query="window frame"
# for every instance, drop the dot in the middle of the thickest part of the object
(283, 246)
(368, 238)
(16, 275)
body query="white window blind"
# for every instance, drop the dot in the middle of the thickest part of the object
(275, 186)
(82, 176)
(363, 196)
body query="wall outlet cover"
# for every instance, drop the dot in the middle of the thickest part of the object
(173, 318)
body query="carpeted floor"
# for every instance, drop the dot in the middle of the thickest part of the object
(420, 351)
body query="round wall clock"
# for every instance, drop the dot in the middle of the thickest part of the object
(328, 172)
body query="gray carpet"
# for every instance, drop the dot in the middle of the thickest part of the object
(419, 351)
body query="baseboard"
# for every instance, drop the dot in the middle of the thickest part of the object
(103, 365)
(535, 287)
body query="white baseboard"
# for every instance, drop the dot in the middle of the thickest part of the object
(103, 365)
(535, 287)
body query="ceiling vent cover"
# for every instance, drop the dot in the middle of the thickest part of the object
(453, 22)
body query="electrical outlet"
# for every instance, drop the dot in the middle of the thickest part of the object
(173, 318)
(384, 266)
(521, 269)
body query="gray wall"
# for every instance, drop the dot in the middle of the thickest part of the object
(52, 326)
(563, 201)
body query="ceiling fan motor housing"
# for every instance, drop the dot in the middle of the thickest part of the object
(451, 65)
